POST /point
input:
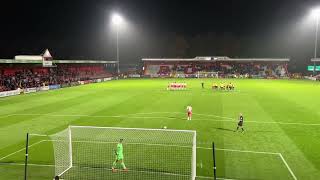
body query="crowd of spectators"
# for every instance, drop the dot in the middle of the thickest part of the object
(228, 68)
(12, 78)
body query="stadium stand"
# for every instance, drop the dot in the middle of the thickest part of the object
(12, 78)
(222, 66)
(35, 71)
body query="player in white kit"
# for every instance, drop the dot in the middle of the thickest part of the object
(189, 112)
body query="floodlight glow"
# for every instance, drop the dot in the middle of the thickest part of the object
(315, 12)
(117, 19)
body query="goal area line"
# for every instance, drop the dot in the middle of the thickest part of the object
(129, 170)
(208, 148)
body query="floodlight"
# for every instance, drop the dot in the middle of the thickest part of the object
(315, 12)
(117, 19)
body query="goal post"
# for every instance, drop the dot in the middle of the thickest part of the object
(62, 146)
(88, 152)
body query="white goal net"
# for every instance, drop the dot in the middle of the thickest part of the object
(86, 152)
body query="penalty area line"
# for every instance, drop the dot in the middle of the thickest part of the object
(159, 117)
(242, 151)
(4, 157)
(209, 115)
(288, 167)
(219, 149)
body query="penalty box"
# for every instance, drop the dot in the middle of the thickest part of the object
(231, 163)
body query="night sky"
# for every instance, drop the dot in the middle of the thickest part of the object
(159, 28)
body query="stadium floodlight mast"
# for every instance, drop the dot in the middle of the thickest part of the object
(117, 20)
(316, 14)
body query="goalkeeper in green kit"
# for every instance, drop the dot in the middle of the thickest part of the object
(119, 157)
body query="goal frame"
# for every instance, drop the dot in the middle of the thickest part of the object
(194, 144)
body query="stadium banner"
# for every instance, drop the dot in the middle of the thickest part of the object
(74, 83)
(44, 88)
(98, 80)
(10, 93)
(81, 82)
(88, 81)
(65, 85)
(180, 76)
(54, 86)
(46, 63)
(30, 90)
(311, 68)
(107, 79)
(310, 78)
(134, 75)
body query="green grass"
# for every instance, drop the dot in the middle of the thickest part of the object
(277, 114)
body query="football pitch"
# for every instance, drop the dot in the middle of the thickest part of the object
(281, 138)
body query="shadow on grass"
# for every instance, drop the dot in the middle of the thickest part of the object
(245, 131)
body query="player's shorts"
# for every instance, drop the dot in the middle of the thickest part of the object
(240, 123)
(189, 113)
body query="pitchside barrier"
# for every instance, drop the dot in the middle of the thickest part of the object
(50, 87)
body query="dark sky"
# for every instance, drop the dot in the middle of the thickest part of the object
(158, 28)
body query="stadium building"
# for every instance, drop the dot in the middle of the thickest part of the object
(216, 66)
(32, 73)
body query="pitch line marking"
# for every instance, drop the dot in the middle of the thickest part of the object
(52, 165)
(182, 113)
(157, 117)
(221, 149)
(6, 116)
(206, 177)
(242, 151)
(21, 149)
(41, 135)
(288, 167)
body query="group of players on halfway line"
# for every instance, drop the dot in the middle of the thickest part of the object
(222, 86)
(119, 150)
(215, 86)
(177, 86)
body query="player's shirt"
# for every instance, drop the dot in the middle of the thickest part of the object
(189, 109)
(119, 150)
(240, 121)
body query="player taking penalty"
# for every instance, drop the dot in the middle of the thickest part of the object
(119, 157)
(189, 112)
